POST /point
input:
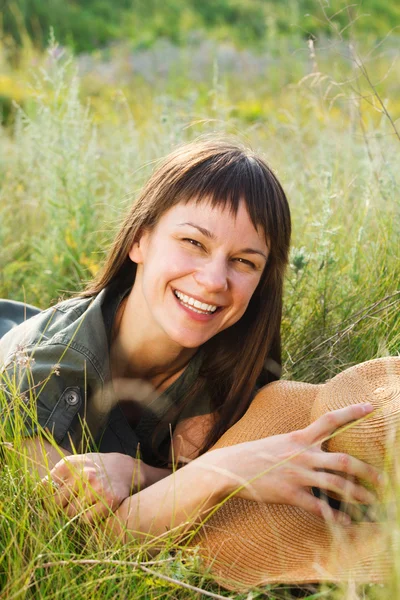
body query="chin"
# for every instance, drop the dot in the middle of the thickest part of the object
(187, 341)
(189, 344)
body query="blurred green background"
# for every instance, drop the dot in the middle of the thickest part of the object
(86, 25)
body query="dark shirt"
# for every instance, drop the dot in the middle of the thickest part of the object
(59, 360)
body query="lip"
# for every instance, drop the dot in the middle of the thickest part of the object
(219, 306)
(194, 316)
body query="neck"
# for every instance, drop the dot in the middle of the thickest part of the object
(140, 351)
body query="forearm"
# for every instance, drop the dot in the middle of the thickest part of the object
(41, 455)
(177, 501)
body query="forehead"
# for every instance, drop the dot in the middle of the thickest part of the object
(219, 220)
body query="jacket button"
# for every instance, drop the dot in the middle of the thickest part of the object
(72, 398)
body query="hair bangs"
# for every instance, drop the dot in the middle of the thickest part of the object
(225, 181)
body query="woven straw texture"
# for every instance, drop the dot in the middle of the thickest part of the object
(247, 543)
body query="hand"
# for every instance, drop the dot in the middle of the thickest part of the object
(282, 469)
(94, 484)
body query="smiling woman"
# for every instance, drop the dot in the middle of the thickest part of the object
(165, 350)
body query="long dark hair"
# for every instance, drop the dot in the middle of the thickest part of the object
(249, 352)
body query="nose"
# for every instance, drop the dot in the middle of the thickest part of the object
(213, 276)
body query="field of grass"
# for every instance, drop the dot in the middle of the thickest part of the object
(74, 156)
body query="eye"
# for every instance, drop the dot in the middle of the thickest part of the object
(244, 261)
(193, 242)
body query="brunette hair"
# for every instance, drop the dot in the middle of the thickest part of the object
(247, 354)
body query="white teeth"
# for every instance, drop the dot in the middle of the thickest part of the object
(210, 308)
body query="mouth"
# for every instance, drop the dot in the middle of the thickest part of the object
(195, 305)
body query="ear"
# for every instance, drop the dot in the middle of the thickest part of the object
(136, 253)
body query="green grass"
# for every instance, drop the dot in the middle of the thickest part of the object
(74, 158)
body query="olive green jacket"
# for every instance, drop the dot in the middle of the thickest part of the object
(58, 363)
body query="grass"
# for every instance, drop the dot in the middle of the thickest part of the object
(75, 156)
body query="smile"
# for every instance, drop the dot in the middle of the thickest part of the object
(195, 305)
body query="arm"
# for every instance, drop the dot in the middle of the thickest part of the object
(101, 481)
(279, 469)
(41, 455)
(177, 501)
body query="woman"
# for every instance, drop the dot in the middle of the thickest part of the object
(189, 301)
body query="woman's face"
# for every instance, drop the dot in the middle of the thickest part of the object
(197, 270)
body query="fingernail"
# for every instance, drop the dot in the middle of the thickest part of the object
(367, 408)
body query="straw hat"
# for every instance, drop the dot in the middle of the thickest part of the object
(247, 543)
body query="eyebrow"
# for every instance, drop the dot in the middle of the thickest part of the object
(212, 236)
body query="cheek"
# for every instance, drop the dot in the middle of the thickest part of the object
(245, 288)
(180, 264)
(244, 292)
(166, 264)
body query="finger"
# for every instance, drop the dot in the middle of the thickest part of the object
(346, 489)
(84, 497)
(330, 422)
(63, 496)
(73, 509)
(333, 515)
(88, 514)
(58, 490)
(345, 463)
(58, 478)
(65, 493)
(97, 512)
(52, 481)
(359, 512)
(320, 508)
(70, 467)
(77, 482)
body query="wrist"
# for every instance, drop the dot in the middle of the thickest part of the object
(214, 470)
(130, 471)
